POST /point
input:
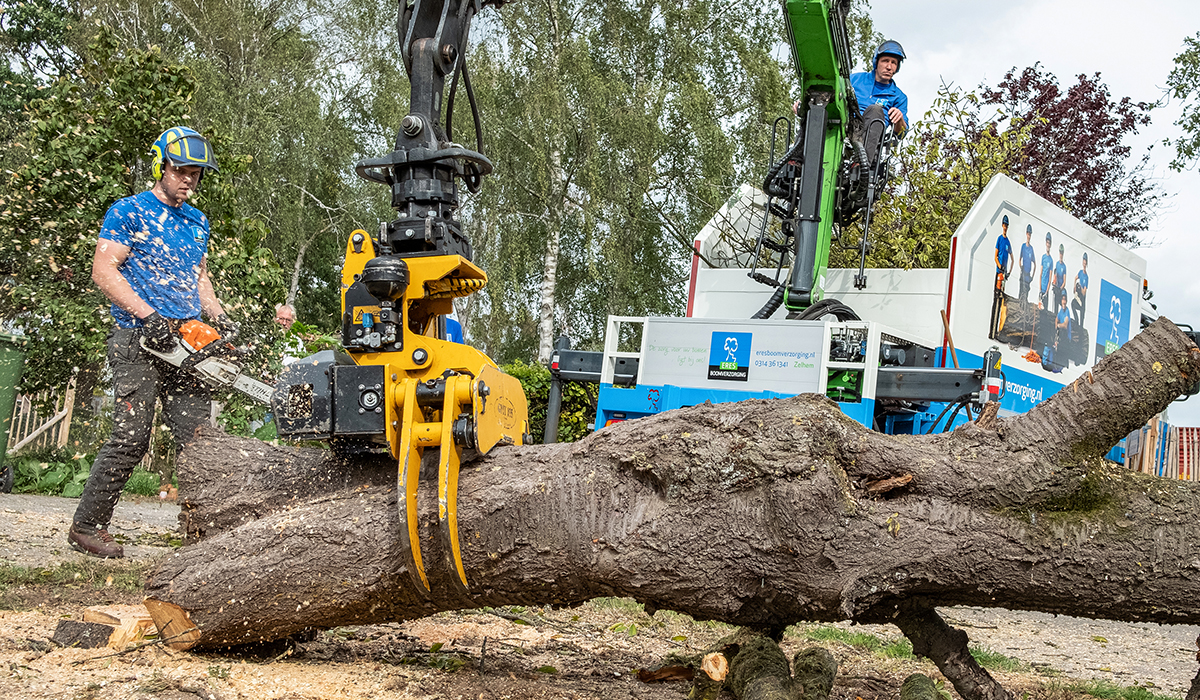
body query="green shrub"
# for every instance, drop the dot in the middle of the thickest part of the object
(578, 411)
(53, 471)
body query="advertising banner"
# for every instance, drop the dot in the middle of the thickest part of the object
(1054, 294)
(733, 354)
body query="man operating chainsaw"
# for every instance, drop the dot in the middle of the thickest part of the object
(150, 262)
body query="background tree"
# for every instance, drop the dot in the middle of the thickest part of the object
(1076, 154)
(1183, 84)
(1067, 146)
(86, 147)
(274, 89)
(34, 51)
(944, 163)
(617, 129)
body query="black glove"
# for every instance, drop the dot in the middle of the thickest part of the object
(227, 327)
(157, 333)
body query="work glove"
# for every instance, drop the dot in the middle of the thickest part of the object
(156, 331)
(227, 327)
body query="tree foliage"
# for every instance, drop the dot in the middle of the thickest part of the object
(1076, 153)
(1067, 146)
(1183, 84)
(269, 79)
(617, 129)
(86, 147)
(947, 159)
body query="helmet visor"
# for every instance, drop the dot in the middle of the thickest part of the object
(191, 149)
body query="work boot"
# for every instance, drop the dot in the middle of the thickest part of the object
(97, 543)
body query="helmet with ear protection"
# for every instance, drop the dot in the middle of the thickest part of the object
(182, 146)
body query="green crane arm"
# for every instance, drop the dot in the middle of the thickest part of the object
(807, 184)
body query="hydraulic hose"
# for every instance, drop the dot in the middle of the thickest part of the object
(772, 304)
(957, 402)
(827, 307)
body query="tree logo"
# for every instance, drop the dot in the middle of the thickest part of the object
(729, 356)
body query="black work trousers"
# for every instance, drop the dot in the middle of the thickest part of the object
(876, 123)
(139, 379)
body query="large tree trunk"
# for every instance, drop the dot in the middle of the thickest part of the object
(761, 513)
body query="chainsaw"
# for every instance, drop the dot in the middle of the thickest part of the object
(200, 350)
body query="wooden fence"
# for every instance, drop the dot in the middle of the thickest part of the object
(1165, 450)
(41, 420)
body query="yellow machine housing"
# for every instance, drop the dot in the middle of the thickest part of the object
(437, 393)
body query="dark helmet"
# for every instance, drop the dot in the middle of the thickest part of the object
(182, 146)
(1004, 220)
(1085, 257)
(1047, 236)
(1029, 229)
(889, 48)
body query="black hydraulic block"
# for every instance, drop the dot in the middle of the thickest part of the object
(585, 366)
(358, 404)
(926, 383)
(303, 398)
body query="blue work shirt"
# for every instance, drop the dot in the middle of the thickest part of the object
(1060, 274)
(1083, 281)
(1027, 260)
(869, 92)
(1003, 252)
(454, 332)
(1047, 263)
(1062, 314)
(166, 246)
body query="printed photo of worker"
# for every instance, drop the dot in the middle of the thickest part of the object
(1028, 264)
(1004, 263)
(1047, 272)
(1079, 303)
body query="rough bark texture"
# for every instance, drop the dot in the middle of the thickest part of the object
(755, 513)
(932, 638)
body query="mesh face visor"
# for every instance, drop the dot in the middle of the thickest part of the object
(191, 150)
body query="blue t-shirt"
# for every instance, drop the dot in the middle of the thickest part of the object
(1047, 263)
(1062, 314)
(869, 92)
(1027, 260)
(166, 245)
(1060, 274)
(1003, 252)
(454, 331)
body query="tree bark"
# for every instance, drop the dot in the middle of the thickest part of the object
(756, 514)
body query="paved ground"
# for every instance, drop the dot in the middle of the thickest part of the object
(33, 529)
(33, 532)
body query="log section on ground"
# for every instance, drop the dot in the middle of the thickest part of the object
(755, 513)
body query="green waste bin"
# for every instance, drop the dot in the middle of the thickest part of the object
(12, 362)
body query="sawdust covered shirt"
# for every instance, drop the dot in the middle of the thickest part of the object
(166, 245)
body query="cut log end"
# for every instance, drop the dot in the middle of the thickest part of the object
(175, 627)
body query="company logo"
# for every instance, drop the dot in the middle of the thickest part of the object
(1112, 326)
(729, 356)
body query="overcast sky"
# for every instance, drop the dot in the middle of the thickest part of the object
(1132, 47)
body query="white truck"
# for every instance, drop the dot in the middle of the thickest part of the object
(1070, 297)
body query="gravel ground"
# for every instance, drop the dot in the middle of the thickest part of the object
(33, 532)
(33, 529)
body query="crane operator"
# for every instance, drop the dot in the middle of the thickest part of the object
(879, 98)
